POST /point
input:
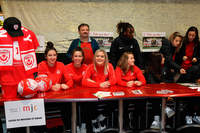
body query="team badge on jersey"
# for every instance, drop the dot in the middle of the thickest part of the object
(29, 60)
(16, 26)
(4, 56)
(58, 71)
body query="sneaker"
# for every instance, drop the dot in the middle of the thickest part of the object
(102, 125)
(196, 119)
(169, 112)
(95, 126)
(101, 117)
(155, 125)
(78, 130)
(188, 119)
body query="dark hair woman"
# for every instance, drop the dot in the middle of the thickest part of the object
(125, 42)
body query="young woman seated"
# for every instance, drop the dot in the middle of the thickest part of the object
(127, 73)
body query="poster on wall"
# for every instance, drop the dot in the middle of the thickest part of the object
(104, 39)
(1, 20)
(152, 41)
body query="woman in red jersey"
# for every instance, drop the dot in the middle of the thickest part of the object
(76, 69)
(54, 70)
(127, 73)
(100, 73)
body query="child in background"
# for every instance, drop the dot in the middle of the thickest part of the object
(155, 71)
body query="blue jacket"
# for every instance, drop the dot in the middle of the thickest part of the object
(75, 44)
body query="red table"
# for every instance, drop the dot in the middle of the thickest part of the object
(79, 94)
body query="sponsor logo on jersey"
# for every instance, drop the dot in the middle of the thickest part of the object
(58, 71)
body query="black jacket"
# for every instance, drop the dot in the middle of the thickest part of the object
(123, 44)
(168, 51)
(152, 78)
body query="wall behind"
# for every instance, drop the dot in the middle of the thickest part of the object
(57, 20)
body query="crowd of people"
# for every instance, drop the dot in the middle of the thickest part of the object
(90, 66)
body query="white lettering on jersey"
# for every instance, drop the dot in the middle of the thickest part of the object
(16, 51)
(2, 33)
(28, 38)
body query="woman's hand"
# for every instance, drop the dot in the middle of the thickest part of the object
(56, 87)
(130, 83)
(185, 58)
(194, 60)
(105, 84)
(64, 86)
(138, 83)
(182, 71)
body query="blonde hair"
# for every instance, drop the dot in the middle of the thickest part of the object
(105, 63)
(123, 62)
(173, 36)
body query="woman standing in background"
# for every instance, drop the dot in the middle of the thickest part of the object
(125, 42)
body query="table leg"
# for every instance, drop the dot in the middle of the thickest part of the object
(73, 117)
(120, 116)
(163, 116)
(28, 130)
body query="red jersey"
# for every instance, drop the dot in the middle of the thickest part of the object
(122, 78)
(17, 57)
(57, 73)
(98, 76)
(189, 50)
(76, 74)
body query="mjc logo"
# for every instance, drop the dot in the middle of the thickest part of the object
(29, 108)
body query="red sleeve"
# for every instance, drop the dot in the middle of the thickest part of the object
(34, 39)
(140, 76)
(42, 68)
(68, 80)
(119, 73)
(112, 77)
(88, 74)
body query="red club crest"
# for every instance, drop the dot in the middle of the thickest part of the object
(16, 26)
(4, 56)
(29, 60)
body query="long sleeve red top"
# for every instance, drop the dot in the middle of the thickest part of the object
(98, 76)
(57, 73)
(76, 74)
(122, 78)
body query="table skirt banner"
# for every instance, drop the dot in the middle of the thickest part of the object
(25, 113)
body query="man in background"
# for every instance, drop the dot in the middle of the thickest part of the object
(89, 45)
